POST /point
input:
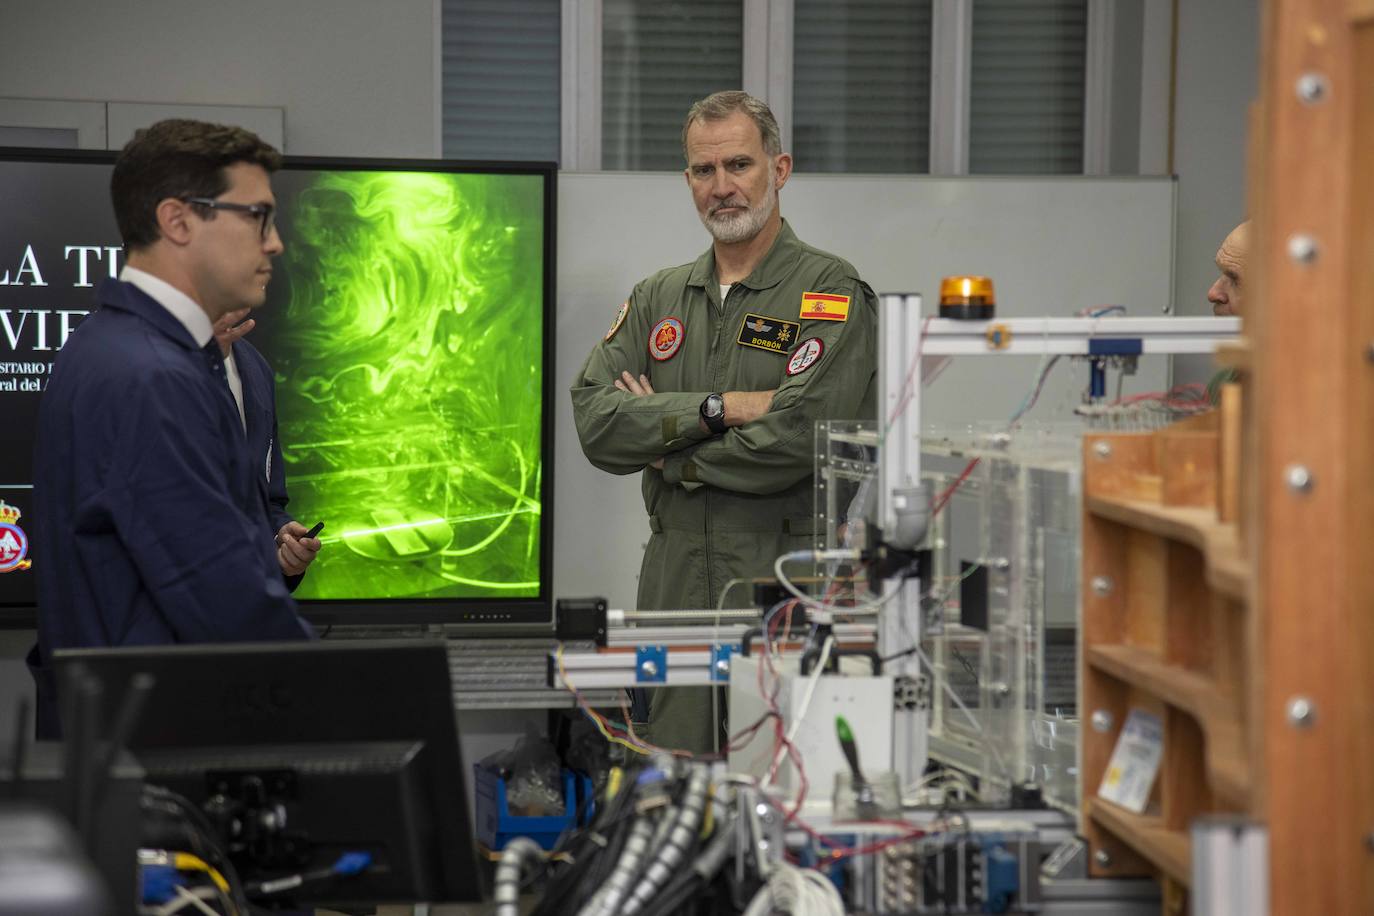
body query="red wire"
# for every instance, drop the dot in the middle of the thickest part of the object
(949, 492)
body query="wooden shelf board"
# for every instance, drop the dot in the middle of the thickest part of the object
(1227, 765)
(1227, 570)
(1235, 354)
(1168, 850)
(1176, 686)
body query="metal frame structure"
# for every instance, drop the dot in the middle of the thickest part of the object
(906, 339)
(666, 654)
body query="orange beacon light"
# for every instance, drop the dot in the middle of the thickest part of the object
(967, 298)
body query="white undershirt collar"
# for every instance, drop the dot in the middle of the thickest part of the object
(183, 308)
(192, 317)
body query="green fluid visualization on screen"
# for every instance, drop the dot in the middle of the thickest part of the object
(406, 337)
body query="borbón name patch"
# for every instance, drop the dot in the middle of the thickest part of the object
(765, 333)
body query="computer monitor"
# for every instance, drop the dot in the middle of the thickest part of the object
(304, 751)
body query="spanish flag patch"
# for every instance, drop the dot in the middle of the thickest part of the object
(824, 307)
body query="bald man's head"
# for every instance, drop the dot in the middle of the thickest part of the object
(1228, 292)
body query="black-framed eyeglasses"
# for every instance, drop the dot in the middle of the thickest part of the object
(265, 213)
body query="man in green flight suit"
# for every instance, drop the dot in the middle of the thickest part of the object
(712, 377)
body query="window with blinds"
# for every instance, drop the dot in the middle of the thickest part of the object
(1026, 91)
(861, 86)
(501, 73)
(657, 59)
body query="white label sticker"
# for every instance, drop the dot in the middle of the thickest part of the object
(1135, 761)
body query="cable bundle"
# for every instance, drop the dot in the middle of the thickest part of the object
(801, 892)
(630, 862)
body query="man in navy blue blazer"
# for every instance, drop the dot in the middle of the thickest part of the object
(153, 512)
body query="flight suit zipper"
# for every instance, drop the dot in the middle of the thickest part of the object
(718, 360)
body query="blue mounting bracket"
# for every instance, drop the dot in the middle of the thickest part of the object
(651, 665)
(721, 655)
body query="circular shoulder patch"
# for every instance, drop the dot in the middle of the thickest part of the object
(807, 354)
(665, 339)
(619, 319)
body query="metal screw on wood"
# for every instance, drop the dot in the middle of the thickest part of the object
(1103, 858)
(1103, 449)
(1312, 88)
(1302, 248)
(1102, 586)
(1102, 720)
(1298, 478)
(1301, 712)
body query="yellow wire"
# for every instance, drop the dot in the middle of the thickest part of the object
(596, 719)
(185, 861)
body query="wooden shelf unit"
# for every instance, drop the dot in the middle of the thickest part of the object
(1168, 850)
(1266, 627)
(1164, 630)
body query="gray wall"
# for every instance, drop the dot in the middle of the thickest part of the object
(356, 77)
(1218, 77)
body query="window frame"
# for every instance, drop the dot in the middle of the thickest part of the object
(767, 74)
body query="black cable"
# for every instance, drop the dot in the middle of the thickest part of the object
(604, 862)
(968, 666)
(682, 888)
(706, 863)
(202, 837)
(610, 827)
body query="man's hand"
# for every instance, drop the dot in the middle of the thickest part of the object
(227, 330)
(743, 407)
(295, 551)
(635, 386)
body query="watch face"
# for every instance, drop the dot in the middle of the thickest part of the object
(714, 406)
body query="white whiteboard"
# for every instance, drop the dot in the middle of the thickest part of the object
(1052, 246)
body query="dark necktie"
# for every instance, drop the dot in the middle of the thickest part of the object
(215, 360)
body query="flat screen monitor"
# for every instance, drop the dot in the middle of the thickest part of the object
(409, 327)
(349, 746)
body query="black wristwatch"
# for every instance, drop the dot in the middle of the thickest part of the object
(713, 413)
